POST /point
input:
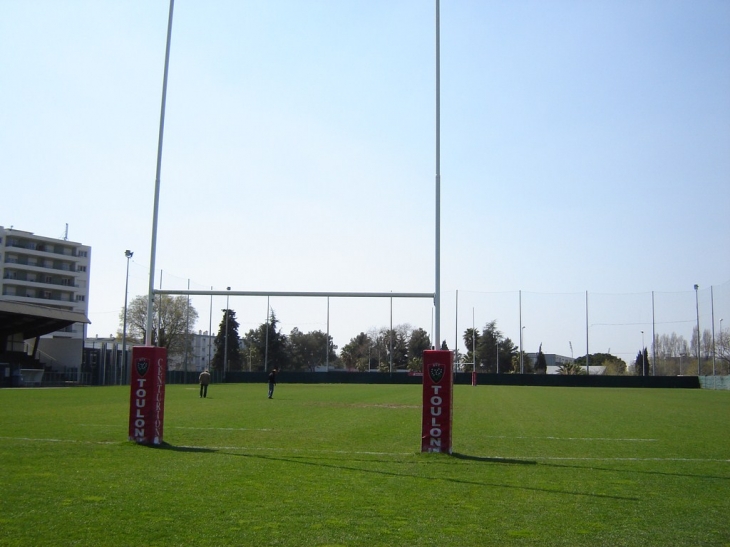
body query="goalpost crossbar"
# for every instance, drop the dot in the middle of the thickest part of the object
(320, 294)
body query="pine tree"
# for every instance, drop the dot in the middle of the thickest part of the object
(269, 345)
(233, 352)
(639, 365)
(541, 364)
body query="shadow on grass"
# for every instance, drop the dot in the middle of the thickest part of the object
(458, 456)
(173, 448)
(437, 478)
(632, 471)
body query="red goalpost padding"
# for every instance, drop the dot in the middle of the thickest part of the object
(438, 389)
(147, 394)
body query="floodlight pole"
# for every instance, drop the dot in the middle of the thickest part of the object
(128, 254)
(697, 306)
(266, 347)
(653, 337)
(588, 356)
(497, 344)
(210, 326)
(521, 351)
(473, 343)
(390, 336)
(225, 343)
(643, 361)
(187, 331)
(155, 208)
(437, 291)
(712, 309)
(456, 331)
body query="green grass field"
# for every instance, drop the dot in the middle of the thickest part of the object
(327, 465)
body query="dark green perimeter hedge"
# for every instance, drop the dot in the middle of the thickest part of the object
(461, 378)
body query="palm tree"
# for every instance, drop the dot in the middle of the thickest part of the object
(571, 369)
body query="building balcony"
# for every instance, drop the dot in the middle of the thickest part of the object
(35, 283)
(42, 298)
(41, 247)
(22, 262)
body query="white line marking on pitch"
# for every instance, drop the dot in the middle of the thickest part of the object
(57, 440)
(224, 428)
(632, 459)
(573, 438)
(181, 427)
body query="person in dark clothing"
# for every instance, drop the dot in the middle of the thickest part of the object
(204, 380)
(272, 382)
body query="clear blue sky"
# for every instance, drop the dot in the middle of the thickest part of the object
(585, 147)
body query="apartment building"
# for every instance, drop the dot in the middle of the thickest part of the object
(45, 271)
(201, 350)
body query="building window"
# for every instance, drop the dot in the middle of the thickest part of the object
(49, 279)
(80, 268)
(47, 295)
(80, 298)
(82, 253)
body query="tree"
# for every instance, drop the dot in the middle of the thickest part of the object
(233, 352)
(494, 352)
(613, 365)
(541, 362)
(514, 364)
(705, 349)
(527, 364)
(373, 350)
(379, 350)
(357, 353)
(418, 342)
(572, 369)
(269, 345)
(471, 342)
(722, 349)
(308, 350)
(490, 351)
(395, 342)
(670, 346)
(641, 366)
(173, 322)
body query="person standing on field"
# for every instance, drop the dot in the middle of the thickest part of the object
(272, 382)
(204, 381)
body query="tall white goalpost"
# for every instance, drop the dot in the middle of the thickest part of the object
(436, 295)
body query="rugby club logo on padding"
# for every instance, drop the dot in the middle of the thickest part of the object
(436, 372)
(142, 366)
